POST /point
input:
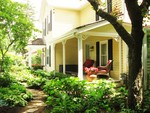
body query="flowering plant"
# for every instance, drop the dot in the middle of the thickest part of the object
(91, 70)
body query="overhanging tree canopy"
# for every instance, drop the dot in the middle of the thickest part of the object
(16, 27)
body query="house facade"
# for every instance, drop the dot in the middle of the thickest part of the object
(73, 35)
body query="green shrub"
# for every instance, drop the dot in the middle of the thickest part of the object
(118, 101)
(70, 95)
(7, 63)
(146, 101)
(40, 73)
(65, 94)
(36, 83)
(21, 73)
(6, 80)
(40, 77)
(57, 75)
(15, 95)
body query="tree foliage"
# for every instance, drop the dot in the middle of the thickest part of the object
(16, 27)
(136, 11)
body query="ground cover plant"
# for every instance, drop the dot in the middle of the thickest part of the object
(66, 94)
(69, 94)
(12, 93)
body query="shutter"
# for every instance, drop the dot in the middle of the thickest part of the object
(50, 56)
(50, 22)
(97, 53)
(47, 22)
(109, 6)
(45, 27)
(110, 51)
(47, 56)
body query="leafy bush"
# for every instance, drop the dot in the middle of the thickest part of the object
(40, 77)
(74, 96)
(118, 101)
(6, 80)
(7, 63)
(64, 94)
(15, 95)
(40, 73)
(21, 73)
(146, 101)
(36, 83)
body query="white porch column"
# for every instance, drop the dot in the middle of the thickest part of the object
(30, 58)
(80, 57)
(64, 56)
(53, 59)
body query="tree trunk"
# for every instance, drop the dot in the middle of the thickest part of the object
(135, 67)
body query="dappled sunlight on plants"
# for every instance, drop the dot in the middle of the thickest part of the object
(65, 93)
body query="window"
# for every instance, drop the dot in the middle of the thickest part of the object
(106, 5)
(103, 53)
(87, 51)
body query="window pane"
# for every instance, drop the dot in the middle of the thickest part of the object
(103, 46)
(104, 54)
(87, 47)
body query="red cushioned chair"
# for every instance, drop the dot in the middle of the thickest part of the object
(105, 70)
(88, 63)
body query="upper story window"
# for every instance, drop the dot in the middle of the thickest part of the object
(106, 5)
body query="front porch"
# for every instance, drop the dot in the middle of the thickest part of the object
(97, 41)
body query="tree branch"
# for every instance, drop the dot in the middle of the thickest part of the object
(113, 20)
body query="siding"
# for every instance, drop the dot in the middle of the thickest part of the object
(64, 21)
(87, 15)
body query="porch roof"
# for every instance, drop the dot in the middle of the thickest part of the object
(36, 45)
(98, 28)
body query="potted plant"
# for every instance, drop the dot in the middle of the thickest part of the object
(91, 73)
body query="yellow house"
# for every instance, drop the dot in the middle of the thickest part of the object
(74, 33)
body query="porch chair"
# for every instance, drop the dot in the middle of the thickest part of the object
(104, 71)
(88, 63)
